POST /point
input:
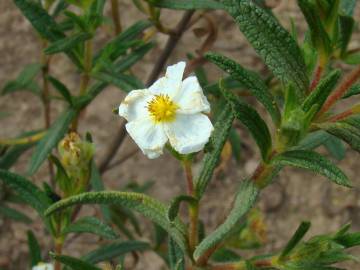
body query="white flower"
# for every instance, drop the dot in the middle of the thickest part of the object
(170, 110)
(43, 266)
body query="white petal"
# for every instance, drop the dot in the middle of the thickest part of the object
(191, 98)
(134, 105)
(150, 137)
(189, 132)
(43, 266)
(170, 84)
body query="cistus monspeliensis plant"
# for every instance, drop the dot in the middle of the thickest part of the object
(191, 119)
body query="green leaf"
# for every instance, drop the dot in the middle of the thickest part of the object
(113, 250)
(348, 240)
(348, 130)
(12, 155)
(250, 80)
(335, 147)
(319, 95)
(25, 81)
(98, 185)
(74, 263)
(249, 117)
(187, 4)
(90, 225)
(313, 140)
(14, 214)
(319, 36)
(272, 42)
(149, 207)
(353, 90)
(26, 190)
(352, 58)
(217, 141)
(55, 133)
(175, 205)
(347, 24)
(34, 249)
(347, 7)
(61, 88)
(123, 81)
(235, 142)
(245, 199)
(225, 255)
(176, 256)
(44, 24)
(295, 239)
(314, 162)
(67, 43)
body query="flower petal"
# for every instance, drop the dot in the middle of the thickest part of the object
(150, 137)
(171, 83)
(134, 106)
(189, 132)
(191, 98)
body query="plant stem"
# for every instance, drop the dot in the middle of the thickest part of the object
(193, 209)
(25, 140)
(58, 252)
(85, 77)
(116, 16)
(353, 110)
(341, 90)
(317, 77)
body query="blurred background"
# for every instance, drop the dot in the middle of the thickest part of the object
(297, 196)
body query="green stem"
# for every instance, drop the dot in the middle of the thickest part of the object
(85, 77)
(193, 209)
(116, 16)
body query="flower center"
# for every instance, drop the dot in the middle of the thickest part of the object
(162, 108)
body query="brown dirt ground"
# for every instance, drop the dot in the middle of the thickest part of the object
(307, 197)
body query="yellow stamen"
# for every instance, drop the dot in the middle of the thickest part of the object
(162, 108)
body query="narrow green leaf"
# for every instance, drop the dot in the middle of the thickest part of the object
(335, 147)
(295, 239)
(44, 24)
(67, 43)
(347, 24)
(228, 82)
(322, 91)
(272, 42)
(235, 142)
(90, 225)
(245, 199)
(149, 207)
(74, 263)
(225, 255)
(61, 88)
(353, 90)
(250, 80)
(123, 81)
(14, 214)
(187, 4)
(313, 140)
(26, 190)
(98, 185)
(349, 240)
(175, 205)
(314, 162)
(319, 37)
(50, 140)
(347, 7)
(249, 117)
(24, 81)
(34, 249)
(113, 250)
(12, 155)
(217, 140)
(176, 256)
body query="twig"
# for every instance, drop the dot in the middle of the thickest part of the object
(170, 46)
(116, 16)
(112, 150)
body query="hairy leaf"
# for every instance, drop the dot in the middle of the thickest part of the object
(188, 4)
(74, 263)
(314, 162)
(272, 42)
(249, 117)
(50, 140)
(149, 207)
(217, 140)
(347, 7)
(295, 239)
(319, 95)
(113, 250)
(245, 199)
(34, 249)
(61, 88)
(175, 205)
(250, 80)
(26, 190)
(176, 256)
(67, 43)
(14, 214)
(347, 24)
(353, 90)
(91, 225)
